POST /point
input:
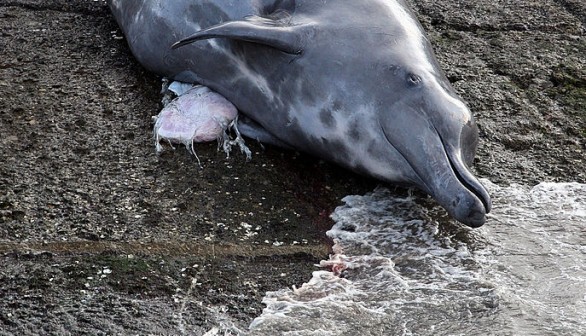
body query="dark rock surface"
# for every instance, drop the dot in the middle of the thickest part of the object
(99, 235)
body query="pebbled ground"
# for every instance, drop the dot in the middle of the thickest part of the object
(99, 235)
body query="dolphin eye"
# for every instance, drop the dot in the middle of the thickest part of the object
(414, 79)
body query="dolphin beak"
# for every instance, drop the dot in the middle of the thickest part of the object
(438, 168)
(452, 184)
(472, 206)
(455, 188)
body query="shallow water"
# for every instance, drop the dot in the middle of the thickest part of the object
(398, 271)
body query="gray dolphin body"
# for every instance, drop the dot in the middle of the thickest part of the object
(353, 82)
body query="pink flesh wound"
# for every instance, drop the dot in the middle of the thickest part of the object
(198, 115)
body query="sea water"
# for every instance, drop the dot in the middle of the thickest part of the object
(401, 267)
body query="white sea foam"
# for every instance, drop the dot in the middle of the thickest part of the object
(397, 271)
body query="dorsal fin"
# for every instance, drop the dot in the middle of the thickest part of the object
(287, 38)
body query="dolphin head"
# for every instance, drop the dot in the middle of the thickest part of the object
(429, 125)
(436, 136)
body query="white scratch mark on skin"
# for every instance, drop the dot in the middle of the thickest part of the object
(116, 4)
(257, 79)
(414, 37)
(139, 17)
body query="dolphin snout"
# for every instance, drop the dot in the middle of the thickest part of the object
(458, 190)
(468, 209)
(435, 154)
(476, 219)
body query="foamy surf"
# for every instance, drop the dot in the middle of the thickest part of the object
(397, 271)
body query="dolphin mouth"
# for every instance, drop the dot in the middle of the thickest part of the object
(458, 191)
(466, 209)
(474, 216)
(470, 182)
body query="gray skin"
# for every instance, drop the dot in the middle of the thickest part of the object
(353, 82)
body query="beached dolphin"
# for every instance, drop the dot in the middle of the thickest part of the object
(353, 82)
